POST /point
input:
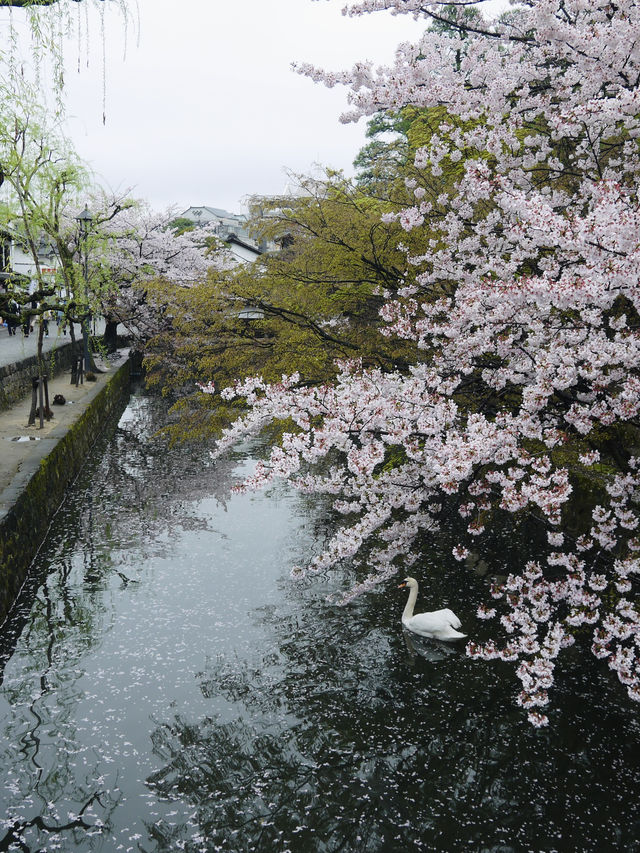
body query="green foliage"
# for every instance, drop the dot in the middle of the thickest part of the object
(319, 297)
(381, 160)
(181, 224)
(41, 176)
(454, 19)
(316, 299)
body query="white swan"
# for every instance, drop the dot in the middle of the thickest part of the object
(439, 624)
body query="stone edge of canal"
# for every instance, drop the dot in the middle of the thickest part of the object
(45, 471)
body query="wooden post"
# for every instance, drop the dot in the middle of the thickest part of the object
(47, 408)
(40, 403)
(34, 400)
(77, 371)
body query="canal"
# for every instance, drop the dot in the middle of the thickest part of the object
(166, 686)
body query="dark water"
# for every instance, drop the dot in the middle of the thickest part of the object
(167, 687)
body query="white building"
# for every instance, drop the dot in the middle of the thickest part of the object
(231, 228)
(242, 250)
(223, 222)
(16, 258)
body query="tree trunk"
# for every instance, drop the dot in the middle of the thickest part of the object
(43, 391)
(110, 334)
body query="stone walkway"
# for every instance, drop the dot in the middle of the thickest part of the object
(17, 347)
(22, 447)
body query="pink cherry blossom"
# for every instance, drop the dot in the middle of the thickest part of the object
(527, 288)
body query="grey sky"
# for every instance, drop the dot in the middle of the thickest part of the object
(202, 106)
(206, 109)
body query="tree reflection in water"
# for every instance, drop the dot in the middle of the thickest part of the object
(51, 789)
(172, 689)
(346, 740)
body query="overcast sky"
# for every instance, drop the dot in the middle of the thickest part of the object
(204, 109)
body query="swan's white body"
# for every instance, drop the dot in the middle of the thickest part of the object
(439, 624)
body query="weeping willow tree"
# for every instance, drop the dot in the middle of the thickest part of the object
(37, 35)
(22, 4)
(45, 23)
(40, 173)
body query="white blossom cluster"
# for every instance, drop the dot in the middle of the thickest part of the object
(528, 293)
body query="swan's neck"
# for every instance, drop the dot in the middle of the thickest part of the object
(411, 603)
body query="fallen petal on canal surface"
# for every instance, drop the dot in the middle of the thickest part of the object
(166, 686)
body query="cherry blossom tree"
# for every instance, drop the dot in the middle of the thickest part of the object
(137, 256)
(525, 309)
(312, 300)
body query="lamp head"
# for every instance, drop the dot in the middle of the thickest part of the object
(85, 219)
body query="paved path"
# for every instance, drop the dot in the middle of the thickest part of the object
(17, 347)
(22, 446)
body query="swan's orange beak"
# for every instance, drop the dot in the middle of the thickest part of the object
(400, 585)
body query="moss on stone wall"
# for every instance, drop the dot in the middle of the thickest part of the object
(24, 527)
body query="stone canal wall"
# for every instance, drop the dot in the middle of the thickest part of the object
(25, 524)
(15, 379)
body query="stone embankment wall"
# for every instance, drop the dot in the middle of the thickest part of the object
(15, 379)
(24, 527)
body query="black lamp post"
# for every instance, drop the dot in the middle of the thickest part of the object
(85, 220)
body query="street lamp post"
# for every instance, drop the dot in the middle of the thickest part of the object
(85, 220)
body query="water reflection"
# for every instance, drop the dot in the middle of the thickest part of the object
(343, 742)
(431, 650)
(167, 687)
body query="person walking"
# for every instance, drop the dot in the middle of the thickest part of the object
(11, 322)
